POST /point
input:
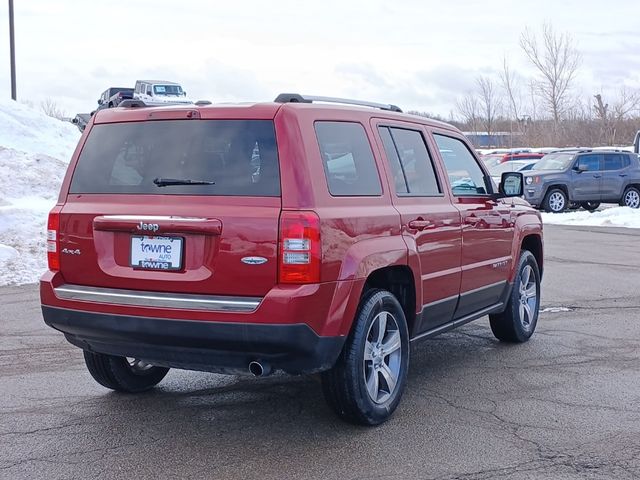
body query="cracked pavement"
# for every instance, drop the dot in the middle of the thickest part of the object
(565, 405)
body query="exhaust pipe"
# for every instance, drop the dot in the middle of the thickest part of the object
(258, 369)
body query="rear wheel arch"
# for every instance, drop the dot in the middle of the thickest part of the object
(399, 280)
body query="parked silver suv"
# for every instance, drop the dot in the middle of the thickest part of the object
(584, 178)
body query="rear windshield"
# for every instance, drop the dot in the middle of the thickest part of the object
(239, 156)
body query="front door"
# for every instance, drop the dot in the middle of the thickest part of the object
(586, 183)
(487, 227)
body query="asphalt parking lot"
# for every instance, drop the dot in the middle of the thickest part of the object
(565, 405)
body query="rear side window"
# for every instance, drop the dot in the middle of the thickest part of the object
(411, 165)
(615, 161)
(465, 175)
(347, 159)
(239, 156)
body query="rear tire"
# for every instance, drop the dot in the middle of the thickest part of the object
(630, 198)
(366, 383)
(590, 206)
(122, 374)
(555, 201)
(518, 321)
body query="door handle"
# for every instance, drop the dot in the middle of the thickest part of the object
(597, 176)
(622, 174)
(420, 224)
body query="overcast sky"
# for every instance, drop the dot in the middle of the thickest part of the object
(419, 55)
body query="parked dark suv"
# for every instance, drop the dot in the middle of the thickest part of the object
(296, 236)
(584, 178)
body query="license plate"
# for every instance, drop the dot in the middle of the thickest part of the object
(156, 253)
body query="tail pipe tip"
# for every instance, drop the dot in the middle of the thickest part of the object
(259, 369)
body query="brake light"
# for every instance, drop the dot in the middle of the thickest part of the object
(53, 239)
(299, 247)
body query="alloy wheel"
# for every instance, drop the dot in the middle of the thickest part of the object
(382, 357)
(632, 199)
(528, 290)
(556, 201)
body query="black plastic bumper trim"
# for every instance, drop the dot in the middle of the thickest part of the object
(198, 345)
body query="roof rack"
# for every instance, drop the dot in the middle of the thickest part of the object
(297, 98)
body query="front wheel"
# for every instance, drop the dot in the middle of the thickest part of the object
(518, 321)
(590, 206)
(631, 198)
(367, 381)
(123, 374)
(555, 201)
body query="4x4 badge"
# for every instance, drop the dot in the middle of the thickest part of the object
(254, 260)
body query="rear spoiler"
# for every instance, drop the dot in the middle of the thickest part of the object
(636, 143)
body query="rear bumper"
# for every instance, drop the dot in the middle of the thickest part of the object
(195, 345)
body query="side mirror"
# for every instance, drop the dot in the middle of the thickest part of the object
(99, 101)
(511, 185)
(184, 94)
(581, 167)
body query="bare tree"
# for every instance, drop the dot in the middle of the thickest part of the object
(468, 109)
(489, 103)
(50, 107)
(557, 62)
(510, 86)
(611, 117)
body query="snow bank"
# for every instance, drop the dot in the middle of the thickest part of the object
(611, 217)
(34, 152)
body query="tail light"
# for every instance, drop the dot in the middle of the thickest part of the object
(53, 239)
(300, 251)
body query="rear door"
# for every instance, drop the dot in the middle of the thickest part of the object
(615, 172)
(430, 223)
(487, 226)
(133, 221)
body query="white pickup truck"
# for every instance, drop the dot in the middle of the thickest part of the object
(160, 92)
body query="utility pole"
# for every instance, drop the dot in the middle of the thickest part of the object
(12, 48)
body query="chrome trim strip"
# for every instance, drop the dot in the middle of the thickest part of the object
(154, 217)
(157, 299)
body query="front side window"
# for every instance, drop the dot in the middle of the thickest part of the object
(410, 163)
(465, 175)
(590, 161)
(347, 158)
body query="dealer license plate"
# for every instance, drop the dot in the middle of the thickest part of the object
(156, 253)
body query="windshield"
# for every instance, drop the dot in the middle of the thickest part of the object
(492, 160)
(167, 90)
(554, 161)
(507, 167)
(184, 157)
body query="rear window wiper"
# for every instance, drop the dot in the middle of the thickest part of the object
(165, 182)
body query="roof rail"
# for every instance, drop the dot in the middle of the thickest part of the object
(297, 98)
(132, 104)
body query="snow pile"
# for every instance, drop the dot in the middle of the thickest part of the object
(34, 152)
(610, 217)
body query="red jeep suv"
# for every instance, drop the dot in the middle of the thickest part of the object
(298, 235)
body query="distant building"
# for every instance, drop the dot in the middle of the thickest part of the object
(495, 140)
